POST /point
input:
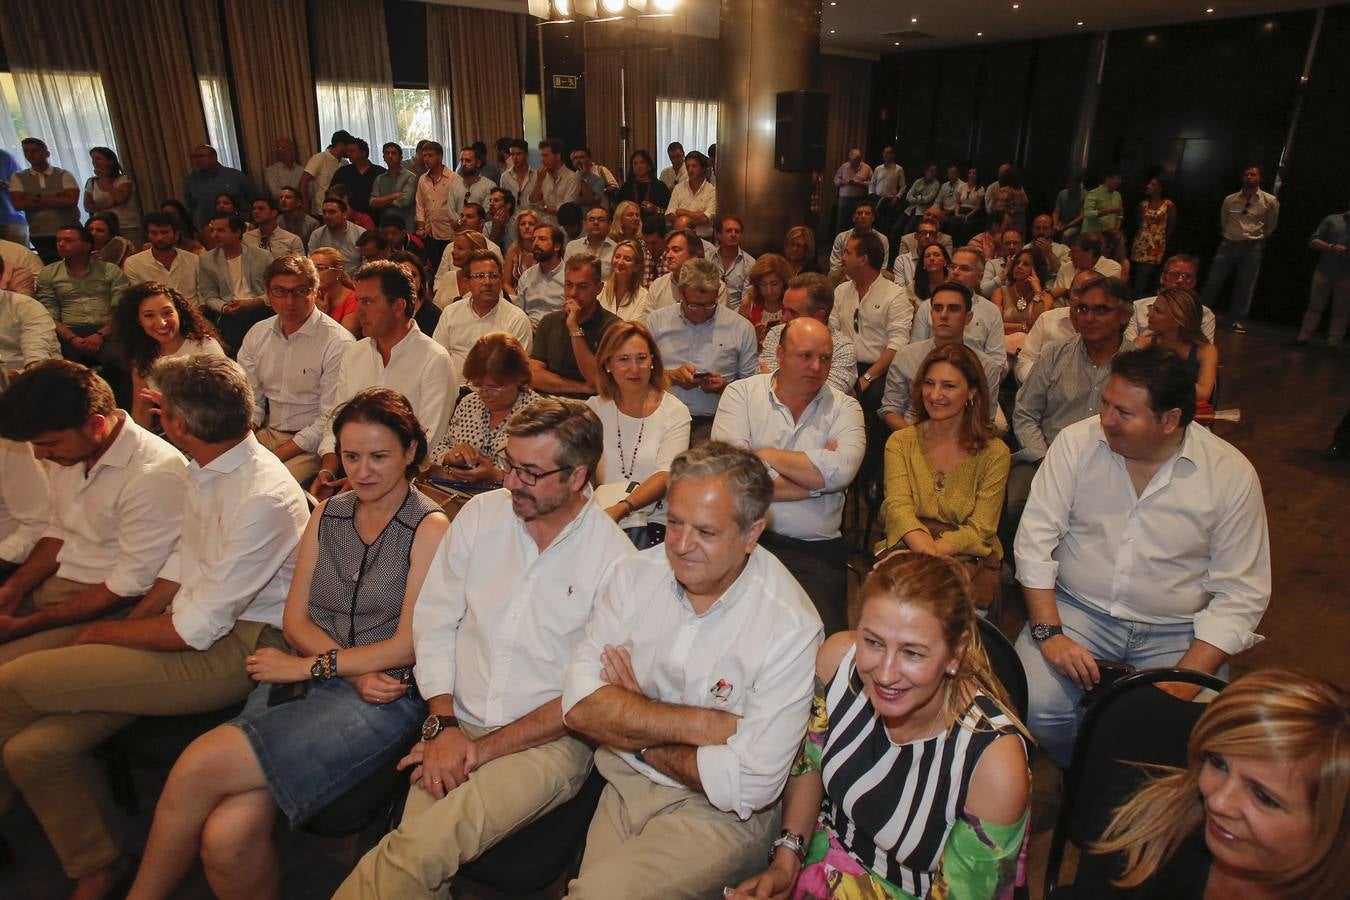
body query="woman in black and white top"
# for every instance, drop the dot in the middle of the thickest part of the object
(498, 370)
(646, 427)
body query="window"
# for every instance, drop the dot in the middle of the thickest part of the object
(220, 120)
(413, 116)
(67, 110)
(691, 122)
(364, 110)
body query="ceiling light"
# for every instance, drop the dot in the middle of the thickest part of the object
(1080, 24)
(613, 6)
(664, 6)
(1017, 6)
(979, 34)
(914, 20)
(831, 31)
(1209, 11)
(897, 43)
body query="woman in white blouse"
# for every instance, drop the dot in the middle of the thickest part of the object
(645, 429)
(153, 320)
(498, 370)
(624, 294)
(110, 190)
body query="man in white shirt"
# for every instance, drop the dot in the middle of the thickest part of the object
(595, 241)
(321, 168)
(116, 507)
(696, 197)
(949, 313)
(554, 183)
(540, 290)
(339, 233)
(864, 220)
(872, 313)
(27, 331)
(1084, 254)
(494, 633)
(734, 262)
(984, 332)
(434, 222)
(675, 173)
(812, 438)
(269, 235)
(697, 725)
(183, 648)
(1181, 271)
(47, 195)
(810, 295)
(162, 261)
(995, 269)
(1144, 542)
(293, 361)
(681, 245)
(230, 279)
(285, 172)
(463, 323)
(887, 188)
(395, 354)
(25, 500)
(470, 187)
(927, 233)
(21, 267)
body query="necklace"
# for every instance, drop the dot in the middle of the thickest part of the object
(939, 480)
(1022, 300)
(627, 471)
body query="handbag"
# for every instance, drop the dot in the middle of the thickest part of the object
(984, 571)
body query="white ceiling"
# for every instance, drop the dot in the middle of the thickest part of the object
(862, 25)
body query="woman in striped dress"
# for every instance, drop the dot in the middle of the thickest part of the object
(913, 778)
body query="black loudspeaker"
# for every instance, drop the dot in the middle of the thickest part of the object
(799, 142)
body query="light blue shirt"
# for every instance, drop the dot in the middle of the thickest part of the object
(983, 333)
(540, 293)
(344, 243)
(724, 344)
(736, 277)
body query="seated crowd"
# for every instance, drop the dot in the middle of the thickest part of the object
(226, 453)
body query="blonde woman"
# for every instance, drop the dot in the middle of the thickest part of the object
(627, 223)
(799, 249)
(337, 294)
(1262, 808)
(520, 255)
(624, 294)
(1174, 322)
(907, 699)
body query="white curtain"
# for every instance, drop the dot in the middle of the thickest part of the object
(220, 120)
(68, 111)
(691, 122)
(9, 137)
(208, 53)
(365, 110)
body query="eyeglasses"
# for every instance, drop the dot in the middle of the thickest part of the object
(329, 267)
(1180, 276)
(527, 477)
(701, 307)
(490, 388)
(485, 276)
(1099, 311)
(276, 292)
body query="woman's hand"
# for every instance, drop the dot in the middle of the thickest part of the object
(618, 511)
(377, 687)
(773, 883)
(277, 667)
(462, 456)
(1035, 283)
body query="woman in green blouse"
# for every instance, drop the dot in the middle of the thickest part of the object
(945, 476)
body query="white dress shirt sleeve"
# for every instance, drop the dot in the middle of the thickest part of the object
(896, 397)
(248, 359)
(255, 544)
(316, 435)
(150, 516)
(1238, 579)
(1045, 520)
(899, 322)
(840, 465)
(441, 606)
(610, 624)
(37, 333)
(731, 424)
(748, 772)
(25, 497)
(439, 391)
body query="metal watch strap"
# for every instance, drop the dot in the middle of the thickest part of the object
(793, 841)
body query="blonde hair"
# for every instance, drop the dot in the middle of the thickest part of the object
(329, 256)
(522, 214)
(634, 279)
(1275, 714)
(766, 264)
(616, 225)
(941, 585)
(1184, 306)
(616, 334)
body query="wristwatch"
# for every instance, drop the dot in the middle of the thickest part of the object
(1040, 633)
(793, 841)
(434, 725)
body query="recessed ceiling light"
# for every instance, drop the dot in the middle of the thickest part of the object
(897, 43)
(833, 3)
(914, 20)
(831, 31)
(1017, 6)
(979, 34)
(1209, 10)
(1080, 24)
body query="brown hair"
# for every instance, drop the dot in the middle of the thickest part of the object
(500, 355)
(616, 334)
(52, 395)
(387, 407)
(297, 265)
(766, 264)
(976, 431)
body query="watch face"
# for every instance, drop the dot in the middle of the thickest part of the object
(430, 728)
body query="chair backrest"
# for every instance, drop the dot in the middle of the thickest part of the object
(1132, 722)
(1006, 665)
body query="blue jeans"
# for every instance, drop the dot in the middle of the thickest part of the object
(1245, 256)
(1054, 711)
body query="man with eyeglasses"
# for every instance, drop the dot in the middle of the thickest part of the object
(293, 361)
(984, 331)
(1247, 219)
(269, 235)
(906, 261)
(596, 241)
(562, 360)
(464, 322)
(681, 245)
(1067, 382)
(494, 631)
(1180, 271)
(393, 354)
(705, 345)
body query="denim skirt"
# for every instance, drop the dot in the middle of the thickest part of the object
(313, 750)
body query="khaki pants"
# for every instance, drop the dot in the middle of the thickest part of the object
(436, 837)
(303, 466)
(57, 705)
(51, 592)
(649, 840)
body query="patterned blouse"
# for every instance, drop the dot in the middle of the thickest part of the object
(471, 424)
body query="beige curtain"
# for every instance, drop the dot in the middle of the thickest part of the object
(849, 84)
(151, 90)
(273, 83)
(604, 108)
(474, 55)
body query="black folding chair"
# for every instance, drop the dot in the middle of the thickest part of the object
(1132, 722)
(1007, 666)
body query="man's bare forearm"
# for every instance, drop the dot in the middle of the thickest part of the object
(539, 726)
(1041, 606)
(624, 720)
(795, 464)
(40, 565)
(92, 603)
(677, 761)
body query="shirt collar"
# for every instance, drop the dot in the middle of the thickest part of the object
(310, 325)
(119, 451)
(230, 460)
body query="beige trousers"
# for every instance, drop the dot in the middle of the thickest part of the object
(649, 840)
(436, 837)
(49, 593)
(58, 705)
(303, 466)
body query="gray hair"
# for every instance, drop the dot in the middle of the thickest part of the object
(818, 291)
(699, 275)
(747, 478)
(575, 426)
(209, 393)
